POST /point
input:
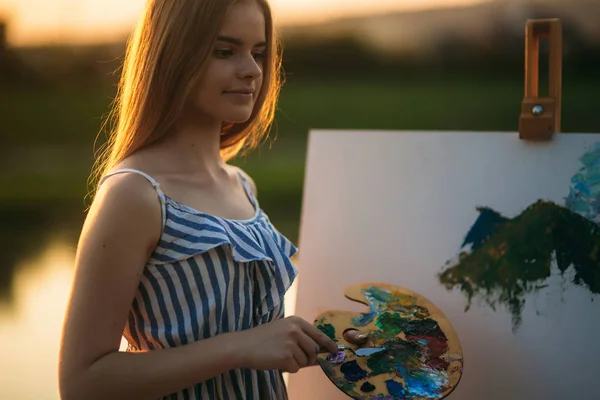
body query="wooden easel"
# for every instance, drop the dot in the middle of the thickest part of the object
(541, 116)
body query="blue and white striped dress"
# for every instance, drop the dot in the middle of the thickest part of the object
(209, 276)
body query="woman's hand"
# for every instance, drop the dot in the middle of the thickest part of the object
(288, 344)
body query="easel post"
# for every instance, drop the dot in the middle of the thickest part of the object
(541, 116)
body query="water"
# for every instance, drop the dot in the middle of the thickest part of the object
(30, 327)
(37, 272)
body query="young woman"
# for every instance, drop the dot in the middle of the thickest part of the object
(176, 254)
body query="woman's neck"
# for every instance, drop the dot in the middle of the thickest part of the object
(196, 146)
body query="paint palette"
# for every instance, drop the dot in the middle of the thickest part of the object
(422, 357)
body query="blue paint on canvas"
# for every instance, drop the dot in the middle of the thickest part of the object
(584, 192)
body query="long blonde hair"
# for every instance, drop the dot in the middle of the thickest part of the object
(163, 62)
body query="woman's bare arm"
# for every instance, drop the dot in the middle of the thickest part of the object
(120, 232)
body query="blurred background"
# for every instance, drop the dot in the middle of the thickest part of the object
(395, 64)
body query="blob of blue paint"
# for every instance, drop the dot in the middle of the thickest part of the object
(486, 225)
(352, 372)
(363, 319)
(585, 187)
(424, 382)
(396, 389)
(379, 294)
(378, 301)
(421, 385)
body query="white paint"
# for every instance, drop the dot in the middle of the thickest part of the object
(395, 206)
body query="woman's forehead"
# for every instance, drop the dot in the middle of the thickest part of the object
(245, 22)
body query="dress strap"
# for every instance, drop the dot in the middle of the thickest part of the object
(247, 181)
(249, 186)
(150, 179)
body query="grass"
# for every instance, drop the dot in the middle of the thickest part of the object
(40, 117)
(68, 117)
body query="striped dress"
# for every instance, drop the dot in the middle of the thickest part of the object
(210, 276)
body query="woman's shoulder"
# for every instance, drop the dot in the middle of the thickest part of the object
(130, 188)
(129, 184)
(126, 203)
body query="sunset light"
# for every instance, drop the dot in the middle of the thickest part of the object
(392, 157)
(87, 21)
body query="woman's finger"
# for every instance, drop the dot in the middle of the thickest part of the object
(324, 342)
(309, 347)
(301, 356)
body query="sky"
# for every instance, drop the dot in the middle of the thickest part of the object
(77, 21)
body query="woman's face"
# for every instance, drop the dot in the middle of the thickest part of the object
(234, 71)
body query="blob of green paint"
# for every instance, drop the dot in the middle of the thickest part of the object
(391, 323)
(327, 329)
(424, 327)
(399, 352)
(348, 387)
(380, 363)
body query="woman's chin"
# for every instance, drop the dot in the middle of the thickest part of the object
(238, 118)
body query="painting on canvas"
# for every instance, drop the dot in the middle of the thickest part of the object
(501, 234)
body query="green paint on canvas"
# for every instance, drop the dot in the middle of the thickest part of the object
(511, 258)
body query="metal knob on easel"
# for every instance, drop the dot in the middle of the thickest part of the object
(541, 116)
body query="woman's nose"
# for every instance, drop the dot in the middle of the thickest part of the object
(250, 69)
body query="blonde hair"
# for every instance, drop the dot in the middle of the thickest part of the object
(163, 62)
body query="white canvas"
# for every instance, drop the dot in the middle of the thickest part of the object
(395, 207)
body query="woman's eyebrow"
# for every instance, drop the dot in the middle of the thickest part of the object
(237, 42)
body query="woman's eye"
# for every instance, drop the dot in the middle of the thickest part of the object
(223, 53)
(226, 53)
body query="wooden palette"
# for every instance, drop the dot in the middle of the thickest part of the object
(422, 357)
